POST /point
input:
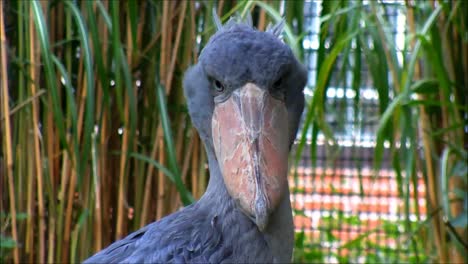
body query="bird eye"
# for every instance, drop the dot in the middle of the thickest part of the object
(219, 87)
(278, 82)
(278, 90)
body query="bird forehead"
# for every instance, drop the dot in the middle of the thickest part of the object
(244, 41)
(245, 53)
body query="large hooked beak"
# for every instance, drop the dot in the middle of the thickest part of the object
(250, 136)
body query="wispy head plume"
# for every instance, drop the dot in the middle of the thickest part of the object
(276, 30)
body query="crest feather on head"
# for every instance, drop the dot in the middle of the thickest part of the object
(276, 30)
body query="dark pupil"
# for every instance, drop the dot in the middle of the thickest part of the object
(278, 82)
(219, 86)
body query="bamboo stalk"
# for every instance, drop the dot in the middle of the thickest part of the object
(125, 149)
(104, 136)
(161, 178)
(22, 163)
(180, 139)
(155, 39)
(148, 185)
(142, 168)
(30, 231)
(189, 153)
(97, 241)
(81, 100)
(220, 7)
(97, 164)
(141, 24)
(64, 176)
(390, 62)
(174, 202)
(36, 145)
(30, 205)
(175, 49)
(201, 169)
(122, 178)
(51, 239)
(68, 216)
(8, 151)
(164, 41)
(432, 182)
(105, 172)
(85, 197)
(193, 32)
(24, 103)
(75, 163)
(456, 181)
(50, 145)
(195, 162)
(262, 20)
(68, 164)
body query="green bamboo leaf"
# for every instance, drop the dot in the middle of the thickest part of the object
(7, 242)
(19, 216)
(293, 41)
(75, 233)
(130, 93)
(386, 41)
(460, 169)
(407, 75)
(436, 57)
(453, 127)
(424, 102)
(316, 105)
(156, 164)
(133, 16)
(97, 45)
(460, 221)
(294, 12)
(117, 54)
(185, 195)
(70, 98)
(314, 109)
(338, 12)
(357, 242)
(104, 14)
(398, 172)
(379, 145)
(90, 98)
(46, 54)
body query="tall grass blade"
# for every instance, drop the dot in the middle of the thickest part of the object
(185, 195)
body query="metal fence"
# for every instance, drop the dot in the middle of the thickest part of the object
(345, 212)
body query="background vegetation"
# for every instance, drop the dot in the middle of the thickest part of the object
(422, 95)
(97, 142)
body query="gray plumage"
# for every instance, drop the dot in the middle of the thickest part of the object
(214, 229)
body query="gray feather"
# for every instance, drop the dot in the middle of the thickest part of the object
(248, 19)
(217, 20)
(276, 30)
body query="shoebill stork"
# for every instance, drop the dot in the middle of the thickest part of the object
(245, 97)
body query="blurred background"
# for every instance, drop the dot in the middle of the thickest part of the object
(96, 140)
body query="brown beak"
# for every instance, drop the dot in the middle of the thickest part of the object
(250, 136)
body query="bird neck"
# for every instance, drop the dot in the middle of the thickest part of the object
(216, 183)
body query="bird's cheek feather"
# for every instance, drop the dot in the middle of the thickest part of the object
(250, 136)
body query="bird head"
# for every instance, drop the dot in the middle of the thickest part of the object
(245, 97)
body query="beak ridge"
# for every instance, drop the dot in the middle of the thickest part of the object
(250, 136)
